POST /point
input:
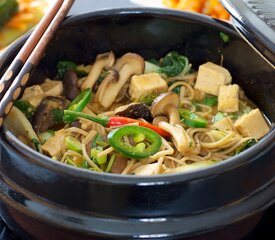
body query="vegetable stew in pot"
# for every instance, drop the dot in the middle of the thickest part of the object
(129, 115)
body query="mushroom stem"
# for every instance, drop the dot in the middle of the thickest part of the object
(105, 60)
(128, 65)
(111, 77)
(173, 113)
(181, 140)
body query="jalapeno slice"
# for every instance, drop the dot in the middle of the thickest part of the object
(147, 146)
(78, 104)
(191, 119)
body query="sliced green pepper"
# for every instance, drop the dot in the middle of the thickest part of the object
(73, 144)
(191, 119)
(78, 104)
(150, 144)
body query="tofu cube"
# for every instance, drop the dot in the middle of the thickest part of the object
(228, 99)
(54, 146)
(252, 124)
(210, 77)
(224, 124)
(145, 85)
(52, 87)
(33, 95)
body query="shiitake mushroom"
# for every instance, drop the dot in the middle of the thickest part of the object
(49, 113)
(135, 110)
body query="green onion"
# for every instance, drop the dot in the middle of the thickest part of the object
(110, 164)
(73, 144)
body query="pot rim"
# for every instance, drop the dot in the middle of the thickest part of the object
(10, 140)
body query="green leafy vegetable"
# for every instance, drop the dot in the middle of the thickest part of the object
(36, 144)
(57, 115)
(25, 107)
(73, 144)
(210, 101)
(244, 146)
(64, 66)
(148, 99)
(85, 164)
(173, 64)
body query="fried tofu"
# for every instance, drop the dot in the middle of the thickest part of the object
(33, 95)
(52, 87)
(252, 124)
(146, 84)
(211, 76)
(54, 145)
(228, 99)
(224, 124)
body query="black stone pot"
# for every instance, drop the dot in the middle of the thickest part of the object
(43, 199)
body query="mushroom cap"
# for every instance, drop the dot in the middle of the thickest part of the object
(134, 60)
(135, 110)
(103, 60)
(164, 102)
(107, 58)
(111, 77)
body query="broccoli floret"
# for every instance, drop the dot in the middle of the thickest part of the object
(173, 64)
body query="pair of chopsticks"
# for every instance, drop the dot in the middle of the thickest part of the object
(17, 75)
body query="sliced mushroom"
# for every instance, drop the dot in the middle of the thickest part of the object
(180, 138)
(104, 60)
(166, 104)
(20, 126)
(52, 87)
(119, 164)
(70, 85)
(112, 77)
(135, 110)
(48, 113)
(128, 65)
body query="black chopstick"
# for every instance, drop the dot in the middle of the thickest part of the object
(16, 77)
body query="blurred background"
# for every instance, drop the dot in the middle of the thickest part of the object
(19, 16)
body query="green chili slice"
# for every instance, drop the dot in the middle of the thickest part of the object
(78, 104)
(148, 147)
(191, 119)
